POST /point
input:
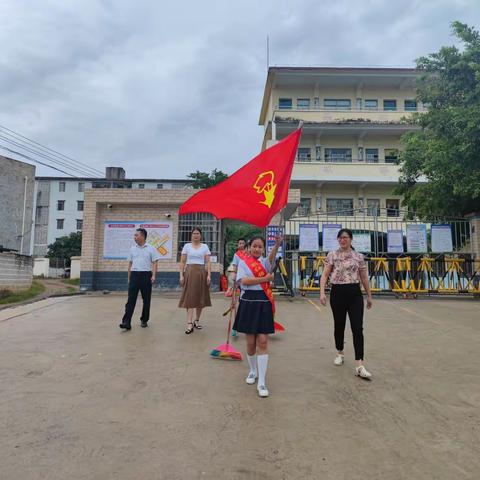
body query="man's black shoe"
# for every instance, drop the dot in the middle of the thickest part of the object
(144, 324)
(125, 326)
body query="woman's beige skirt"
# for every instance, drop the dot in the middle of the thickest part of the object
(196, 293)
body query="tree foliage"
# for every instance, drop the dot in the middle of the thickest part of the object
(66, 247)
(446, 149)
(233, 233)
(206, 180)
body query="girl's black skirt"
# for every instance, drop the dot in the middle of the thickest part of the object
(254, 314)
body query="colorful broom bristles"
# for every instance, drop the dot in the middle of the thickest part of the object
(225, 352)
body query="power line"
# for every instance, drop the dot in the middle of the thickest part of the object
(35, 160)
(46, 157)
(50, 151)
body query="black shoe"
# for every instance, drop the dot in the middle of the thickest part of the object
(124, 326)
(144, 324)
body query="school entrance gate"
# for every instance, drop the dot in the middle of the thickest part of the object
(404, 254)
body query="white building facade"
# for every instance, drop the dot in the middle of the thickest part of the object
(353, 122)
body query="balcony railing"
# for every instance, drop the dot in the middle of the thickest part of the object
(309, 159)
(354, 110)
(363, 116)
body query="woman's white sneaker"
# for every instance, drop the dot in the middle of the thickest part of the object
(338, 360)
(251, 378)
(362, 372)
(262, 391)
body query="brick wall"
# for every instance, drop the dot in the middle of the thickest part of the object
(16, 271)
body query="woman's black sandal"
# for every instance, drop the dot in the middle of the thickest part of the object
(197, 325)
(191, 329)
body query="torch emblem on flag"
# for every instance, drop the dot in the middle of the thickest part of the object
(265, 184)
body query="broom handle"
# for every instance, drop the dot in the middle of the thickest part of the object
(232, 309)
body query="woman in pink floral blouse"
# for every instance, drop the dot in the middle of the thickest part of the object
(347, 269)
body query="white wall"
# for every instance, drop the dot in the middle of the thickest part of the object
(70, 214)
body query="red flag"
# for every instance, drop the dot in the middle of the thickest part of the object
(256, 192)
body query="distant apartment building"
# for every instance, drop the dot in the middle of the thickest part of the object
(353, 119)
(60, 201)
(17, 184)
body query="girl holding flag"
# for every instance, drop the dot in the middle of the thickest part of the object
(256, 308)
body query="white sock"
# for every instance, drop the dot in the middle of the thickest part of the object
(262, 361)
(252, 363)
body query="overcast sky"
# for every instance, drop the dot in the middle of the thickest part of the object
(166, 88)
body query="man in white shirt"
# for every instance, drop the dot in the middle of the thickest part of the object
(142, 272)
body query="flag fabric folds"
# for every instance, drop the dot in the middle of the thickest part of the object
(254, 193)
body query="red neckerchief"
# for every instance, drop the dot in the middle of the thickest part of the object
(258, 271)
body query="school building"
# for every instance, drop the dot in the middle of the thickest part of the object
(353, 119)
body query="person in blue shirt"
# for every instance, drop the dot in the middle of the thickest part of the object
(142, 272)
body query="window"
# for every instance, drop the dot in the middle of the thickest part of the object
(337, 104)
(61, 186)
(391, 155)
(318, 153)
(303, 103)
(371, 104)
(338, 155)
(304, 154)
(373, 207)
(371, 155)
(342, 206)
(393, 207)
(141, 186)
(79, 224)
(80, 205)
(81, 186)
(305, 206)
(60, 204)
(160, 185)
(390, 105)
(60, 222)
(410, 105)
(210, 231)
(284, 103)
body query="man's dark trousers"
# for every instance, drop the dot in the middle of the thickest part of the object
(139, 281)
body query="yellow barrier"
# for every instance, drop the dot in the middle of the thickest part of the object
(403, 282)
(308, 285)
(379, 274)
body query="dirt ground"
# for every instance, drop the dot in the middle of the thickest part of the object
(79, 399)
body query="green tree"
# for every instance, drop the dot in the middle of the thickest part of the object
(446, 149)
(233, 233)
(66, 247)
(206, 180)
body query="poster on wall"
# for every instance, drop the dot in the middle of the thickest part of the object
(118, 238)
(362, 242)
(442, 238)
(417, 238)
(308, 237)
(329, 236)
(395, 241)
(272, 232)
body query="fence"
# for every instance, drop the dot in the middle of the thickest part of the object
(416, 264)
(401, 275)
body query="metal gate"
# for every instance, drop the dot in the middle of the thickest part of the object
(376, 223)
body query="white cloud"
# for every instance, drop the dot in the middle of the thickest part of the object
(165, 89)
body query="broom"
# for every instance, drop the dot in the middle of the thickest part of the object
(225, 351)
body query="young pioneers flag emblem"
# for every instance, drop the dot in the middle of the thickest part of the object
(256, 192)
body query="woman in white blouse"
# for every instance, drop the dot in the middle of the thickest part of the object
(195, 273)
